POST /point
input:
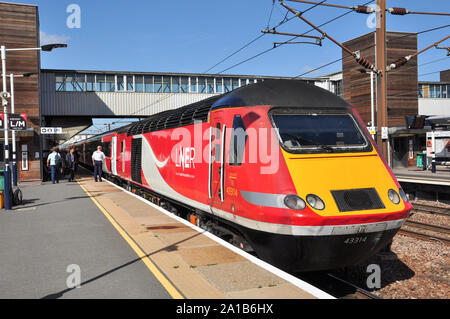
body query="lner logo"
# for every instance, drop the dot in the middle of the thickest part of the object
(185, 157)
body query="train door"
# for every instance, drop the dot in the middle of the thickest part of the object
(217, 162)
(114, 155)
(123, 146)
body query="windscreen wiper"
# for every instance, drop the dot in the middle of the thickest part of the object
(301, 140)
(327, 148)
(311, 143)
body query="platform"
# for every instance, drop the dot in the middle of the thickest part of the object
(414, 175)
(126, 247)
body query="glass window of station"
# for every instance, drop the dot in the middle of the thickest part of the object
(90, 82)
(434, 91)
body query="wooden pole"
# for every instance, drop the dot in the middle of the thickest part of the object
(382, 116)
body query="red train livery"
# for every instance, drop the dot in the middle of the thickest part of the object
(281, 168)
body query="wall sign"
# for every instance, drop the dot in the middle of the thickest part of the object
(51, 130)
(17, 122)
(24, 161)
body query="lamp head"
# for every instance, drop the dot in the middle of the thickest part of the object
(50, 47)
(27, 75)
(5, 95)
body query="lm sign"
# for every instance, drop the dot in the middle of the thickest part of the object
(17, 122)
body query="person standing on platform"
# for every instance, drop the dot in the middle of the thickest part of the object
(53, 162)
(97, 160)
(70, 160)
(77, 159)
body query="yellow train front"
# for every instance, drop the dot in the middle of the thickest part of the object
(330, 200)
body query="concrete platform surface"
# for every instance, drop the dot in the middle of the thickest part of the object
(414, 175)
(126, 248)
(58, 232)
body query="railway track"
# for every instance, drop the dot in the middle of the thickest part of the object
(429, 209)
(434, 228)
(422, 231)
(419, 235)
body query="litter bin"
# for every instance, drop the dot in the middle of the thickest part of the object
(422, 160)
(2, 189)
(2, 180)
(419, 160)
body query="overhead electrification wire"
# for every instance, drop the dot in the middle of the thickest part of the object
(404, 60)
(271, 12)
(362, 9)
(420, 75)
(285, 20)
(424, 31)
(239, 50)
(273, 48)
(316, 69)
(394, 39)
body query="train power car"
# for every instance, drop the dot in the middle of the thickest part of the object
(281, 168)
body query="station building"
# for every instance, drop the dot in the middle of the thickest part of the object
(19, 28)
(409, 101)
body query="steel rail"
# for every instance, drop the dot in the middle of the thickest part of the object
(422, 236)
(431, 209)
(434, 228)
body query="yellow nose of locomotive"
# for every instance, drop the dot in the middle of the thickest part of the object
(348, 184)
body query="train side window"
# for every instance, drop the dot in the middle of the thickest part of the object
(239, 138)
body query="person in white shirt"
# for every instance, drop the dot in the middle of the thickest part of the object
(53, 161)
(97, 161)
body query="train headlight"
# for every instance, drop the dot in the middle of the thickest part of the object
(315, 202)
(294, 202)
(404, 196)
(394, 197)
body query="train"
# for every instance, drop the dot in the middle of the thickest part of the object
(282, 169)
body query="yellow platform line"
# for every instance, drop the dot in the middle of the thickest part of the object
(174, 293)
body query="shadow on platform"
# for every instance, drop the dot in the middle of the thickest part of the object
(169, 248)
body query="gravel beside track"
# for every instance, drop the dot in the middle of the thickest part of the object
(415, 269)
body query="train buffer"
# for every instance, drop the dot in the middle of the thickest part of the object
(95, 240)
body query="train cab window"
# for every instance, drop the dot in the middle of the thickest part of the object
(319, 133)
(238, 141)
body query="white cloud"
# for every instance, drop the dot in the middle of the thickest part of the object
(53, 38)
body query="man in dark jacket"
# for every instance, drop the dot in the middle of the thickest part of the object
(71, 164)
(77, 159)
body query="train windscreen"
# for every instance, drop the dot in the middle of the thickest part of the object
(319, 133)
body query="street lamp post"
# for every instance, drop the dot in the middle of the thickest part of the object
(372, 103)
(13, 133)
(14, 151)
(5, 95)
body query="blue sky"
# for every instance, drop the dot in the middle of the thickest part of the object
(192, 36)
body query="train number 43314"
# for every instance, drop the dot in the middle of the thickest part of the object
(355, 240)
